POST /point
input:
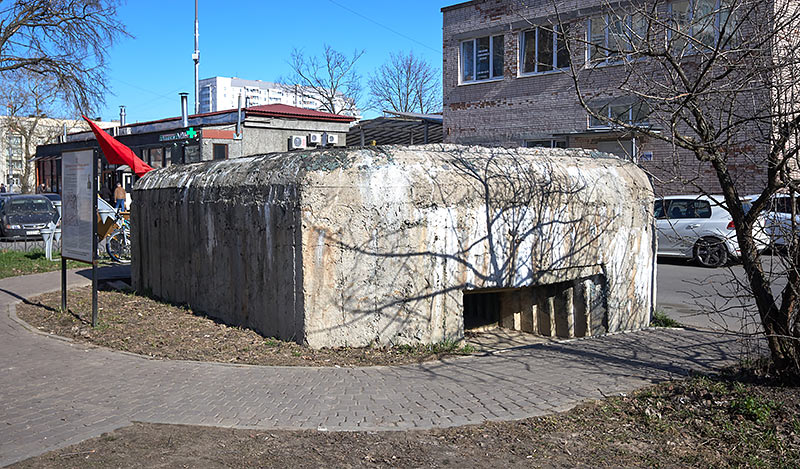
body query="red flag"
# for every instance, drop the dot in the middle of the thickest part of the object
(117, 153)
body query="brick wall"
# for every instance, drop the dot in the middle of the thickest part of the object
(517, 108)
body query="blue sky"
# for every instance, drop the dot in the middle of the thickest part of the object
(253, 39)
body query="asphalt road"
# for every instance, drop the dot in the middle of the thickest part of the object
(710, 298)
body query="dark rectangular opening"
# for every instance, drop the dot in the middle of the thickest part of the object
(220, 151)
(573, 308)
(481, 309)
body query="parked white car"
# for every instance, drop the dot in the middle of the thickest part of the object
(778, 221)
(699, 228)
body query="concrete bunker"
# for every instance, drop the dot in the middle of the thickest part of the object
(394, 244)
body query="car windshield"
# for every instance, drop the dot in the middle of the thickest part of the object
(29, 205)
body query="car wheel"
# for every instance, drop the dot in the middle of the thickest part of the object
(710, 252)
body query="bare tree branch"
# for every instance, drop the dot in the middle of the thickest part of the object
(330, 79)
(405, 83)
(64, 40)
(719, 80)
(30, 100)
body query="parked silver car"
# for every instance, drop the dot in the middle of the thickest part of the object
(699, 228)
(778, 220)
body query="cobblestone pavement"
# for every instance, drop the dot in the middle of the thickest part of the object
(54, 393)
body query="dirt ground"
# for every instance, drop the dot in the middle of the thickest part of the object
(147, 327)
(700, 422)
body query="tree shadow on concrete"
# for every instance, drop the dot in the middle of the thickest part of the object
(471, 221)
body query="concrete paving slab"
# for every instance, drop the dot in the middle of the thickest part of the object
(57, 392)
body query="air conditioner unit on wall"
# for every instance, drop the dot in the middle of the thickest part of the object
(297, 142)
(329, 139)
(314, 139)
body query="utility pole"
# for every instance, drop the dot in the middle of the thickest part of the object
(196, 58)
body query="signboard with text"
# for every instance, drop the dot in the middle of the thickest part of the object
(77, 206)
(188, 134)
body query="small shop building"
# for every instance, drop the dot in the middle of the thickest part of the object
(219, 135)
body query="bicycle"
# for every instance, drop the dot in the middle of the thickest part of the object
(118, 243)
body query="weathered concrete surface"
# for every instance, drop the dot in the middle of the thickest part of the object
(352, 247)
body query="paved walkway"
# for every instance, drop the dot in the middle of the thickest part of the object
(55, 393)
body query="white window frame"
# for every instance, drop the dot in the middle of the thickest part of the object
(554, 64)
(553, 143)
(475, 79)
(690, 42)
(607, 60)
(11, 138)
(611, 125)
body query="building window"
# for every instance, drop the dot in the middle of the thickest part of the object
(191, 154)
(482, 59)
(545, 144)
(543, 50)
(616, 114)
(15, 146)
(611, 38)
(220, 151)
(700, 23)
(156, 157)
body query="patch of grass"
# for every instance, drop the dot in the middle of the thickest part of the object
(660, 319)
(16, 263)
(450, 347)
(752, 407)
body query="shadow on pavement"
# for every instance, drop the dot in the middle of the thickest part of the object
(110, 272)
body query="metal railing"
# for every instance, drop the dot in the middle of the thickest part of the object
(26, 244)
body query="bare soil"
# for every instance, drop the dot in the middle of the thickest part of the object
(144, 326)
(715, 422)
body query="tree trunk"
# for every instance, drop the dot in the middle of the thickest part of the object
(784, 347)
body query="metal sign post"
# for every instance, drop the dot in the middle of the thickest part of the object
(63, 283)
(79, 216)
(95, 163)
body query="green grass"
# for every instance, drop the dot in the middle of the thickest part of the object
(660, 319)
(448, 346)
(15, 263)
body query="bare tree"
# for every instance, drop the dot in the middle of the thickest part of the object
(406, 83)
(64, 40)
(716, 79)
(30, 100)
(330, 79)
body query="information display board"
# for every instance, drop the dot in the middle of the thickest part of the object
(77, 206)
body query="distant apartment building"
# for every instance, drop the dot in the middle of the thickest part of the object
(222, 93)
(507, 81)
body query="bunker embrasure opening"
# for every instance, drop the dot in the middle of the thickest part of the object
(564, 310)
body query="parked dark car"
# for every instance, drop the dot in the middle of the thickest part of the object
(53, 196)
(23, 216)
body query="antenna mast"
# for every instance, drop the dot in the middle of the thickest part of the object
(196, 58)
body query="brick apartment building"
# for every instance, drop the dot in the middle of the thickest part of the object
(507, 81)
